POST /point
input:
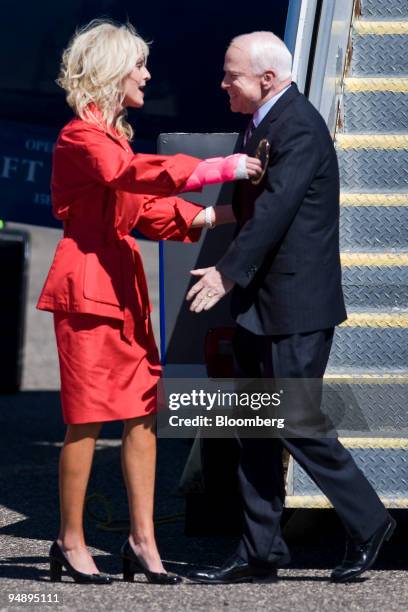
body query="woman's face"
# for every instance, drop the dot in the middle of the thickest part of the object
(134, 84)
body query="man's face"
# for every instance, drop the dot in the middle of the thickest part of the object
(240, 83)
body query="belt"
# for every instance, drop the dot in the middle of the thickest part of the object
(131, 264)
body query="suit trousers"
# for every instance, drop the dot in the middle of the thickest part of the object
(326, 461)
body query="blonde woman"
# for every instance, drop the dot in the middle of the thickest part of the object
(96, 288)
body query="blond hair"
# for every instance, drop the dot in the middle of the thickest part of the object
(94, 65)
(267, 52)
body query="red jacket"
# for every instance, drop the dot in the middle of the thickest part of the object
(101, 190)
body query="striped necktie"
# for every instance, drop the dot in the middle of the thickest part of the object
(249, 131)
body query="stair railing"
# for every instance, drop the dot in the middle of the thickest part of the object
(318, 34)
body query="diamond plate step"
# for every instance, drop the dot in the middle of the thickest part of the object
(373, 199)
(378, 294)
(384, 9)
(375, 105)
(375, 280)
(382, 374)
(383, 461)
(371, 340)
(376, 84)
(382, 111)
(372, 104)
(320, 501)
(380, 48)
(362, 170)
(382, 27)
(373, 226)
(361, 405)
(385, 142)
(373, 162)
(376, 259)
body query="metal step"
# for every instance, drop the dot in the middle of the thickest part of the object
(382, 27)
(384, 9)
(364, 406)
(375, 280)
(380, 48)
(384, 461)
(374, 295)
(320, 501)
(373, 199)
(371, 162)
(382, 112)
(371, 340)
(366, 374)
(373, 226)
(361, 405)
(375, 105)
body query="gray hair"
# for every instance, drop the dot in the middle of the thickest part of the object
(267, 52)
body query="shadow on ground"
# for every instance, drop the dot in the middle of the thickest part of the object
(31, 431)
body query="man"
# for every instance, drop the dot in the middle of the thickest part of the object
(284, 269)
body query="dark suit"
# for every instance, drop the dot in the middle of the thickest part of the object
(287, 299)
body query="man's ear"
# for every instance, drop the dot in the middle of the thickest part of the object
(268, 79)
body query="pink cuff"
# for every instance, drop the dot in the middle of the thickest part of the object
(216, 170)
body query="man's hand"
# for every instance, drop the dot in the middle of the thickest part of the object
(211, 287)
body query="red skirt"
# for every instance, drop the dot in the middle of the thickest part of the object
(103, 376)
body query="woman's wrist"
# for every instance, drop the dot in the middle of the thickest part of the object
(211, 216)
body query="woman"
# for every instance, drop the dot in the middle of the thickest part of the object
(96, 287)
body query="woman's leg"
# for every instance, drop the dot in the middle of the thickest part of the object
(139, 468)
(74, 470)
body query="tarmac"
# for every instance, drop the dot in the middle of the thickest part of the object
(31, 432)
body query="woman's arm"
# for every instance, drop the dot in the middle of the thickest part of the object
(97, 156)
(176, 219)
(85, 153)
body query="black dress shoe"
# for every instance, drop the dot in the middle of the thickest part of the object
(360, 556)
(132, 564)
(58, 561)
(235, 570)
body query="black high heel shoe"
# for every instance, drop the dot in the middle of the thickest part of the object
(58, 561)
(132, 564)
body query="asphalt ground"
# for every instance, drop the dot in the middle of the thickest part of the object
(31, 431)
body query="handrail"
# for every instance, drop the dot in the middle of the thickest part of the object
(317, 34)
(330, 58)
(299, 30)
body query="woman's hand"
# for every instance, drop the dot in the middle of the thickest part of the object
(253, 167)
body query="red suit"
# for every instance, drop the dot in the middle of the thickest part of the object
(101, 190)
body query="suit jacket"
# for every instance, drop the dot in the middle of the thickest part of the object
(101, 191)
(285, 256)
